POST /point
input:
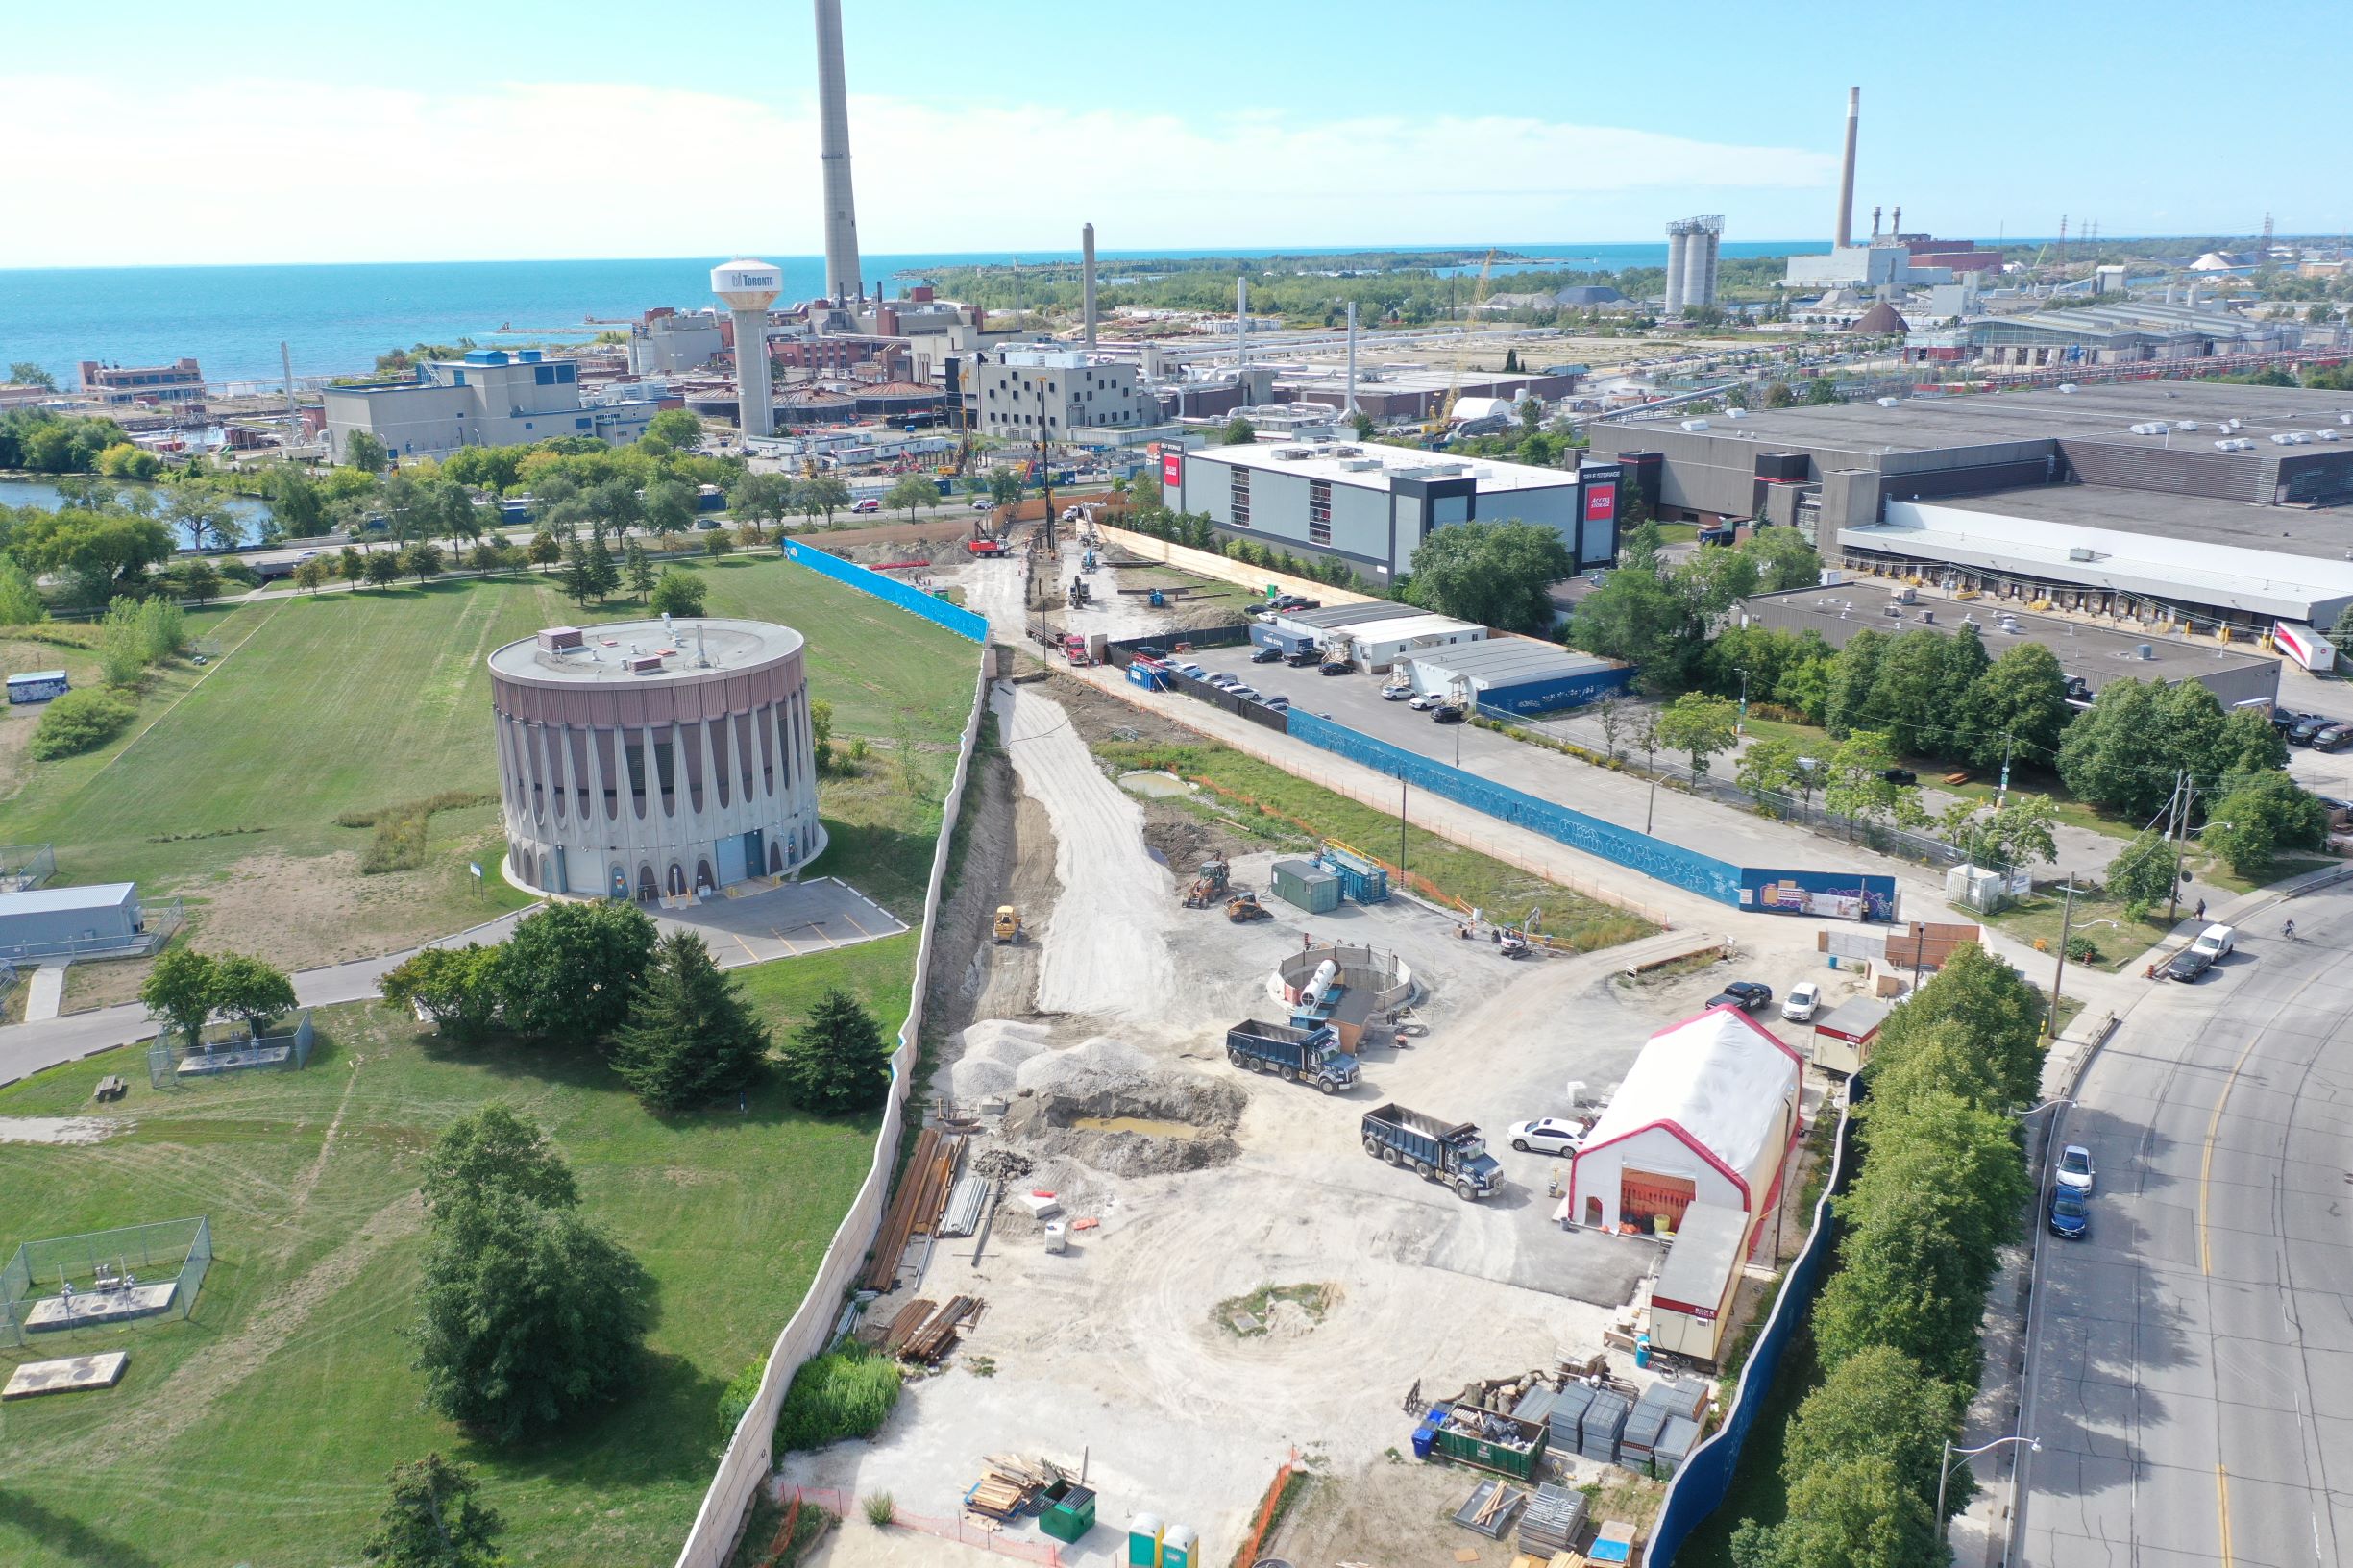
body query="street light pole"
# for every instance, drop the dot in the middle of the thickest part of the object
(1740, 726)
(1951, 1454)
(2183, 791)
(2066, 922)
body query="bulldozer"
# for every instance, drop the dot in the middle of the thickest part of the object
(1209, 884)
(1243, 908)
(1008, 926)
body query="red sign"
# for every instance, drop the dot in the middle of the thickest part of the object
(1172, 467)
(1601, 502)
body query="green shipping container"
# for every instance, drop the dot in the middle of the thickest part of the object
(1306, 885)
(1513, 1460)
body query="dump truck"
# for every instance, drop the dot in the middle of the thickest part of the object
(1008, 926)
(1298, 1056)
(1437, 1151)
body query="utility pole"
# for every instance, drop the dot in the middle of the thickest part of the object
(1045, 473)
(1740, 726)
(2002, 794)
(2067, 923)
(2179, 819)
(1401, 832)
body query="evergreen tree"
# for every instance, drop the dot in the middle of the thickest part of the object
(602, 573)
(637, 570)
(579, 578)
(689, 1038)
(837, 1061)
(436, 1519)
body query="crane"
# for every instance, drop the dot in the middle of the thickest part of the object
(1444, 415)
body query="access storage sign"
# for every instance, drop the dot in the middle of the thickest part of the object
(1172, 467)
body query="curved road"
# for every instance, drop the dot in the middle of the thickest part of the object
(2190, 1375)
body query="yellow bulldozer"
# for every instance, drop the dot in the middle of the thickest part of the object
(1008, 926)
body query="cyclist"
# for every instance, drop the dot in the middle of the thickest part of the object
(2288, 930)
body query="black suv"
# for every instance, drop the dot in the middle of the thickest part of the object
(1746, 994)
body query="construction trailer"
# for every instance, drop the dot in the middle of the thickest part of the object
(1303, 883)
(1691, 1302)
(1844, 1036)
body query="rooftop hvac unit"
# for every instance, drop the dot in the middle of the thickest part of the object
(2157, 429)
(1695, 426)
(1885, 403)
(2324, 435)
(2185, 425)
(2283, 438)
(1906, 595)
(2079, 553)
(1289, 454)
(1358, 465)
(2068, 386)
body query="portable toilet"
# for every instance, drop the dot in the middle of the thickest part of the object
(1180, 1548)
(1143, 1540)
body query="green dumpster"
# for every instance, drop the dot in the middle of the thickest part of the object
(1070, 1512)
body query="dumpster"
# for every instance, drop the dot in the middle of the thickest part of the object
(1070, 1512)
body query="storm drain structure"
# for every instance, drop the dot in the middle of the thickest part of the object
(645, 759)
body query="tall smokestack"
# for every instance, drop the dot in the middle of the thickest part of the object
(1351, 409)
(842, 276)
(1846, 170)
(1086, 245)
(1241, 328)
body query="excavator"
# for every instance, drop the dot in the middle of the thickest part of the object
(1443, 418)
(1209, 884)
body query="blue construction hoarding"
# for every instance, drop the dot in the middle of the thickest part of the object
(955, 618)
(1846, 895)
(1557, 693)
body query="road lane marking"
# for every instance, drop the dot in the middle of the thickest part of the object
(2222, 1498)
(2205, 1168)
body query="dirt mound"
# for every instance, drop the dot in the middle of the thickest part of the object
(994, 1052)
(1103, 1104)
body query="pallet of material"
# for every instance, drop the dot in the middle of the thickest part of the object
(1489, 1508)
(1554, 1519)
(996, 1498)
(903, 1325)
(938, 1336)
(962, 1215)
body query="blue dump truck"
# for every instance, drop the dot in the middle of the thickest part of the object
(1305, 1055)
(1439, 1151)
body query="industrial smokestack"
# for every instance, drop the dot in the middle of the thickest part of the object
(841, 273)
(1846, 171)
(1351, 409)
(1241, 328)
(1086, 245)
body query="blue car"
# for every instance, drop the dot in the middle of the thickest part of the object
(2070, 1216)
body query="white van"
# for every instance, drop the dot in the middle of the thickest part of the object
(2215, 940)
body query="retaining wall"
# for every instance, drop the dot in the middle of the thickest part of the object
(751, 1453)
(964, 623)
(1208, 563)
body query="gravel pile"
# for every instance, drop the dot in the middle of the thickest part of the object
(994, 1051)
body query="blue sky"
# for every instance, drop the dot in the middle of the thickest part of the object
(502, 128)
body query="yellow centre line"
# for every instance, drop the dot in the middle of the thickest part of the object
(2222, 1496)
(2205, 1169)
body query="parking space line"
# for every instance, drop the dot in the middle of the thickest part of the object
(854, 926)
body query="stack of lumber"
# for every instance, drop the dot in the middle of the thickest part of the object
(909, 1318)
(922, 1191)
(937, 1336)
(1006, 1486)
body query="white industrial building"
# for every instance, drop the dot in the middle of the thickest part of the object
(1371, 506)
(491, 398)
(1708, 1115)
(1047, 394)
(670, 342)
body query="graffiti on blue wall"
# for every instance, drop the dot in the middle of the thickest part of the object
(1846, 895)
(955, 618)
(1668, 862)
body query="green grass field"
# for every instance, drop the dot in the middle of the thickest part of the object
(227, 788)
(260, 1432)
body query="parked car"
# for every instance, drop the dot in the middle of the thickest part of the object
(2070, 1216)
(1271, 653)
(1396, 694)
(1547, 1135)
(1225, 680)
(1150, 650)
(2187, 964)
(2285, 719)
(1297, 601)
(2076, 1172)
(868, 505)
(2335, 738)
(984, 504)
(1336, 666)
(1191, 671)
(2339, 812)
(2306, 727)
(1279, 702)
(1746, 994)
(1304, 657)
(1899, 776)
(1423, 700)
(1803, 1000)
(1450, 713)
(2216, 941)
(1248, 694)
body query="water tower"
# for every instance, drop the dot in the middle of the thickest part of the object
(748, 288)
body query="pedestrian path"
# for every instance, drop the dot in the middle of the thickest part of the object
(44, 992)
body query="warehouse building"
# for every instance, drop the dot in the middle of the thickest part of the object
(1516, 675)
(1371, 506)
(2186, 505)
(2126, 334)
(1375, 634)
(491, 398)
(90, 920)
(2091, 656)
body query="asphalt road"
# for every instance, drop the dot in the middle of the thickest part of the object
(2190, 1372)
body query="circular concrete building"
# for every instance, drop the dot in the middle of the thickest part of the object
(641, 758)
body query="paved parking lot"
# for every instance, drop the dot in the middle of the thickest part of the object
(797, 917)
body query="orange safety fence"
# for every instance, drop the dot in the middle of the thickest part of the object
(963, 1530)
(1249, 1554)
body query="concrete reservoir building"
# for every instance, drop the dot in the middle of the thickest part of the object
(491, 398)
(648, 758)
(1051, 394)
(2166, 506)
(1371, 506)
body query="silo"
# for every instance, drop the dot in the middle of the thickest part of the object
(1679, 256)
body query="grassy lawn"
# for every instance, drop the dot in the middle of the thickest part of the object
(2097, 916)
(260, 1432)
(227, 790)
(1313, 812)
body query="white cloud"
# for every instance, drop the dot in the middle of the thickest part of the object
(274, 170)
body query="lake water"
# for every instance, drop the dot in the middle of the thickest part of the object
(44, 493)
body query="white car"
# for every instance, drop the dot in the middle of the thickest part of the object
(2076, 1174)
(984, 504)
(1225, 679)
(1802, 1002)
(2216, 941)
(1395, 694)
(1547, 1135)
(1248, 694)
(1423, 701)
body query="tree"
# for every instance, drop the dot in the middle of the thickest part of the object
(837, 1063)
(680, 430)
(570, 968)
(459, 987)
(579, 578)
(1362, 423)
(1782, 559)
(2260, 814)
(544, 551)
(2340, 635)
(436, 1519)
(1998, 1013)
(823, 493)
(1876, 1402)
(821, 735)
(299, 505)
(462, 516)
(421, 560)
(383, 569)
(1237, 432)
(766, 497)
(125, 461)
(25, 373)
(679, 593)
(670, 505)
(2016, 833)
(364, 453)
(1774, 767)
(178, 991)
(637, 571)
(494, 1151)
(2142, 873)
(1511, 361)
(1700, 724)
(528, 1316)
(1496, 573)
(101, 554)
(717, 543)
(1530, 411)
(604, 576)
(1610, 712)
(1714, 580)
(250, 991)
(1854, 669)
(2126, 752)
(311, 574)
(20, 599)
(689, 1038)
(1006, 484)
(910, 493)
(1858, 786)
(1908, 697)
(2018, 707)
(1853, 1514)
(490, 556)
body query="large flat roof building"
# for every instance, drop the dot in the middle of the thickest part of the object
(2201, 505)
(121, 386)
(491, 398)
(1371, 506)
